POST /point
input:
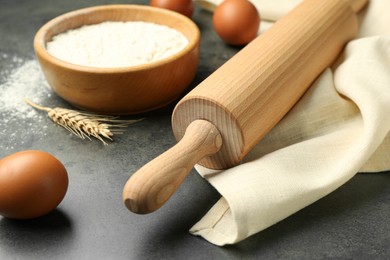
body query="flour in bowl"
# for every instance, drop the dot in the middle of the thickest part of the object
(117, 44)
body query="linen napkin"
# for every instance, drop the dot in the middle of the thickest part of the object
(339, 128)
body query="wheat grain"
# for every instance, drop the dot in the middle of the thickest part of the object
(85, 125)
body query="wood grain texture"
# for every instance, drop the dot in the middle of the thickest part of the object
(252, 91)
(357, 5)
(242, 100)
(151, 186)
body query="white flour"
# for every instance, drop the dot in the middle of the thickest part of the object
(24, 81)
(117, 44)
(19, 121)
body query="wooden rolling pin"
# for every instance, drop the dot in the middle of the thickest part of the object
(227, 114)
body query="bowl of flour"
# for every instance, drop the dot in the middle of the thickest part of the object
(119, 59)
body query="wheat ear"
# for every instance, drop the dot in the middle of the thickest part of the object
(84, 125)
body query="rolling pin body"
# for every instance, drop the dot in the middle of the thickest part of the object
(253, 90)
(247, 96)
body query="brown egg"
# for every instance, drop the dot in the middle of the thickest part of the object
(185, 7)
(32, 183)
(236, 21)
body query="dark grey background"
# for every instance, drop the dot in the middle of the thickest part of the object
(92, 223)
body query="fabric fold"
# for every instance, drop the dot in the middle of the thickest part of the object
(340, 127)
(267, 189)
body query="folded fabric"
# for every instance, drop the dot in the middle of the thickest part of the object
(340, 127)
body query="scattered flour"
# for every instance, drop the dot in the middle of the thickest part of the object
(19, 121)
(117, 44)
(24, 81)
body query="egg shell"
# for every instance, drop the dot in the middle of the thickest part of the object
(236, 21)
(185, 7)
(32, 183)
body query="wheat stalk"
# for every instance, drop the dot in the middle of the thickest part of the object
(84, 125)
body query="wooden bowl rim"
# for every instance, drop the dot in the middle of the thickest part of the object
(40, 48)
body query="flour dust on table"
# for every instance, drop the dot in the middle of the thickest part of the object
(23, 79)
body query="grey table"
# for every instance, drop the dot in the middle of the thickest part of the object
(92, 223)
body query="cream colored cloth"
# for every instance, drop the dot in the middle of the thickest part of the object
(340, 127)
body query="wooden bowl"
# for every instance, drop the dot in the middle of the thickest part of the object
(122, 90)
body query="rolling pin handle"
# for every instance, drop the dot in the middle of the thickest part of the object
(152, 185)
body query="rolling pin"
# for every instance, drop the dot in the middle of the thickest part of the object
(227, 114)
